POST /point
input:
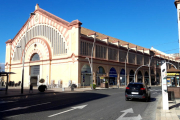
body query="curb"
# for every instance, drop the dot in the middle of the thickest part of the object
(27, 94)
(39, 93)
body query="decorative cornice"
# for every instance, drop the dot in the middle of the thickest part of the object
(176, 2)
(8, 41)
(75, 23)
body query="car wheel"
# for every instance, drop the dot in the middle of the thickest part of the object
(126, 98)
(146, 100)
(149, 98)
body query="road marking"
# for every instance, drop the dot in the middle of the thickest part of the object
(130, 110)
(19, 108)
(1, 102)
(73, 108)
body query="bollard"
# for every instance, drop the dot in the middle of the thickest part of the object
(117, 85)
(31, 88)
(72, 88)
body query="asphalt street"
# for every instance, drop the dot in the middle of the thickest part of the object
(107, 104)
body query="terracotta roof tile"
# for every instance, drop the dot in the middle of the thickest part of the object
(101, 36)
(9, 41)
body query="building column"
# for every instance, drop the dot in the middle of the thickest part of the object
(143, 79)
(118, 79)
(95, 74)
(127, 79)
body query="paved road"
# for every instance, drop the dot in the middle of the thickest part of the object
(89, 105)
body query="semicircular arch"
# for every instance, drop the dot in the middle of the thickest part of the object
(101, 70)
(53, 36)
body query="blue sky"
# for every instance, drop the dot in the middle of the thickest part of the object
(145, 23)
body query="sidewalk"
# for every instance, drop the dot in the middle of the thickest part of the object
(172, 114)
(16, 91)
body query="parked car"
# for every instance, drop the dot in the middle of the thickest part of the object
(137, 90)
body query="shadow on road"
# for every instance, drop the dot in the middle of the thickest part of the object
(141, 100)
(175, 106)
(58, 102)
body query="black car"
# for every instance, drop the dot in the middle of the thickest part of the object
(137, 90)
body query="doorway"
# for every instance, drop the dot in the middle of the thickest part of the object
(34, 72)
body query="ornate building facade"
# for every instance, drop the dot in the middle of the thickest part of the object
(57, 51)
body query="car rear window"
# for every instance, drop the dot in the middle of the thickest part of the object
(135, 85)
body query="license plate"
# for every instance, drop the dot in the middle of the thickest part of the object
(134, 93)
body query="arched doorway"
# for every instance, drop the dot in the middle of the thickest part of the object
(99, 73)
(34, 70)
(122, 77)
(85, 75)
(146, 78)
(152, 77)
(112, 76)
(157, 79)
(131, 76)
(139, 76)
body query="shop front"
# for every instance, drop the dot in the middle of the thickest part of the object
(99, 73)
(104, 81)
(112, 76)
(173, 81)
(85, 75)
(122, 77)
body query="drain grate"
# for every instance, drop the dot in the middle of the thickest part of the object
(159, 107)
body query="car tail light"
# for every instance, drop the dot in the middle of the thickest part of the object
(127, 87)
(142, 88)
(143, 97)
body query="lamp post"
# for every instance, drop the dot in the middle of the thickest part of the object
(22, 84)
(150, 71)
(137, 70)
(125, 66)
(90, 63)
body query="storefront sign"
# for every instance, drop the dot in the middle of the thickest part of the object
(112, 73)
(101, 77)
(172, 74)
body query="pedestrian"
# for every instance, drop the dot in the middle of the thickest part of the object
(31, 88)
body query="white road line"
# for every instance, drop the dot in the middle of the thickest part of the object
(1, 102)
(60, 113)
(73, 108)
(19, 108)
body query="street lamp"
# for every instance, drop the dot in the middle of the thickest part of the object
(90, 63)
(125, 65)
(150, 71)
(137, 70)
(24, 53)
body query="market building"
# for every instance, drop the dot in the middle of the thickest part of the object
(58, 51)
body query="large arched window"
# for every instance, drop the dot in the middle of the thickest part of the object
(35, 57)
